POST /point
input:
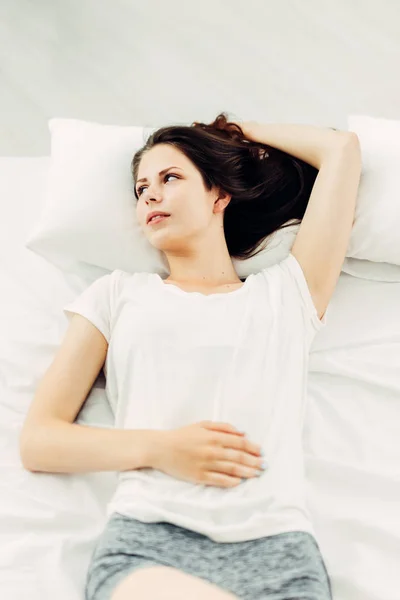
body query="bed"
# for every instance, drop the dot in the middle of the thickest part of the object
(49, 523)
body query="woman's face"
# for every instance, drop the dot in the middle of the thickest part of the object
(180, 192)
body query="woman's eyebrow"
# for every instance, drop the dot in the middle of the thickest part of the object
(160, 173)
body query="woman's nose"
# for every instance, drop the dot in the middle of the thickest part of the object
(153, 197)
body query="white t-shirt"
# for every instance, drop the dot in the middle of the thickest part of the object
(175, 358)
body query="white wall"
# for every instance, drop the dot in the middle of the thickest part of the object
(156, 62)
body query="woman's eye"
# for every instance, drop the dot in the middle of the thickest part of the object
(142, 186)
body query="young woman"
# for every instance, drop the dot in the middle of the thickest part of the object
(207, 373)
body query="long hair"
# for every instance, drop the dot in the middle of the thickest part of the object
(269, 188)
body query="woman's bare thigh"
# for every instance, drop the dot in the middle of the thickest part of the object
(167, 583)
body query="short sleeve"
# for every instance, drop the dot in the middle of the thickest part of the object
(94, 303)
(290, 298)
(292, 266)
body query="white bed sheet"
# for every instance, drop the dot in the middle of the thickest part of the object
(49, 523)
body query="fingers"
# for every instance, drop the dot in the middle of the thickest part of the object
(238, 468)
(221, 480)
(217, 426)
(233, 463)
(240, 443)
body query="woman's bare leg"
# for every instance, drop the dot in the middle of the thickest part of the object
(167, 583)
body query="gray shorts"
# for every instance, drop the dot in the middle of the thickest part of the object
(286, 566)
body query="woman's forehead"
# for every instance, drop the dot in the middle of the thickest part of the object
(161, 156)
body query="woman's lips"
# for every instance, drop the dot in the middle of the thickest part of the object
(158, 219)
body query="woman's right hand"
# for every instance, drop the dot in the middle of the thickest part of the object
(207, 453)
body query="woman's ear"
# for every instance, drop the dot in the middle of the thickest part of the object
(221, 201)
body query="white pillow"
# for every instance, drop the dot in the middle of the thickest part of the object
(375, 234)
(89, 219)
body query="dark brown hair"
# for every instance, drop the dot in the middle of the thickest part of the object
(270, 189)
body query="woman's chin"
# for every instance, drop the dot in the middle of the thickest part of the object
(158, 243)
